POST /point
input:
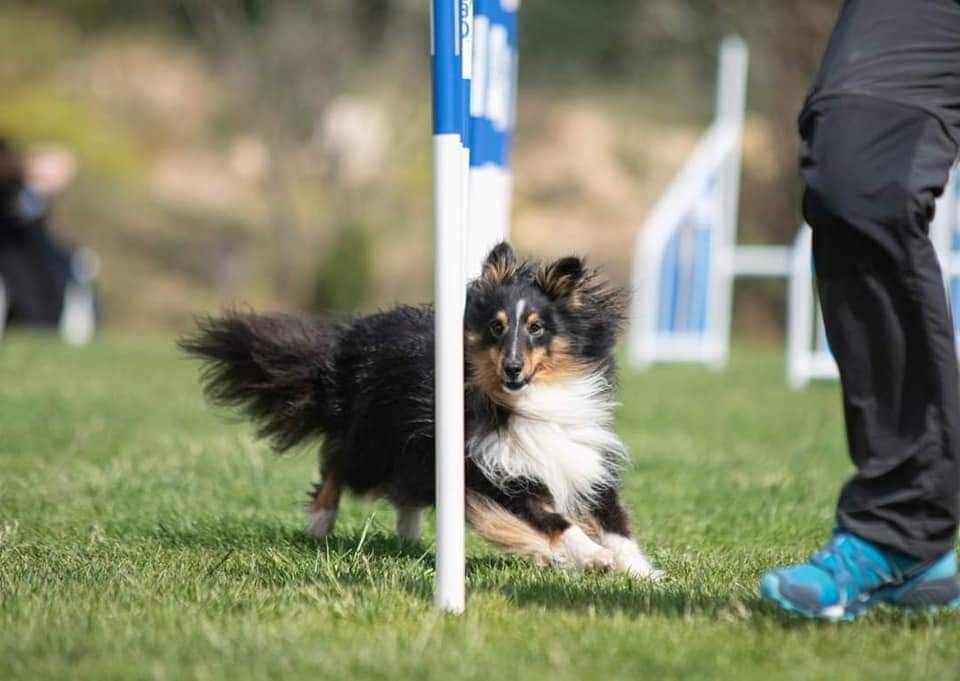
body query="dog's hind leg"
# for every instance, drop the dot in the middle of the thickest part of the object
(322, 508)
(409, 520)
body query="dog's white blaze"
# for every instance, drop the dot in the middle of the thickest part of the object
(520, 305)
(320, 523)
(560, 435)
(629, 557)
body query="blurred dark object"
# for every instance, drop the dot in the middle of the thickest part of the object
(42, 282)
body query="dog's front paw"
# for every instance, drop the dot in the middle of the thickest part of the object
(630, 559)
(641, 571)
(579, 552)
(601, 560)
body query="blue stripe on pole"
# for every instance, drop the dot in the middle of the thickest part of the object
(466, 13)
(447, 69)
(700, 280)
(685, 274)
(667, 305)
(685, 268)
(489, 146)
(495, 73)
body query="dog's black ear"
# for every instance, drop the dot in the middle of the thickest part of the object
(501, 265)
(562, 278)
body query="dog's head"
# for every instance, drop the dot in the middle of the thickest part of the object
(528, 322)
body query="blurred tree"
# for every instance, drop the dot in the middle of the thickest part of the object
(283, 63)
(344, 280)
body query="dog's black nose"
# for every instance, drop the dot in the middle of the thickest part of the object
(512, 369)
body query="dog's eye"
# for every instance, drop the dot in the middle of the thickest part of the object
(535, 329)
(497, 328)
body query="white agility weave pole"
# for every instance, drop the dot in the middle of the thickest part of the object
(449, 183)
(493, 92)
(473, 44)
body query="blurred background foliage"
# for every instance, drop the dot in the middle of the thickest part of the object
(276, 152)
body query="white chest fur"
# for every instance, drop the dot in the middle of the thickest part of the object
(560, 435)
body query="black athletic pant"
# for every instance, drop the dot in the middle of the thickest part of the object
(880, 132)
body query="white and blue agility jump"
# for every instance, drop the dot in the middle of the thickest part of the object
(681, 299)
(473, 44)
(687, 259)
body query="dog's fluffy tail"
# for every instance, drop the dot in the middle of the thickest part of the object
(277, 369)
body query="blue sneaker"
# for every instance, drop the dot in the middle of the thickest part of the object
(851, 575)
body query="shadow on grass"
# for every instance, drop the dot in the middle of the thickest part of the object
(233, 535)
(364, 559)
(373, 558)
(608, 595)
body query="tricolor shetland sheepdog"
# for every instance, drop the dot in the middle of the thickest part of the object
(542, 458)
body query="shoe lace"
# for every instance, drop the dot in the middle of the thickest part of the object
(851, 568)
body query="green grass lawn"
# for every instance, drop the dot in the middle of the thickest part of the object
(146, 536)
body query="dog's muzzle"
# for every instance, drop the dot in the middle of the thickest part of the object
(513, 379)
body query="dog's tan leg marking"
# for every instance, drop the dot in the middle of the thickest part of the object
(571, 549)
(322, 511)
(506, 531)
